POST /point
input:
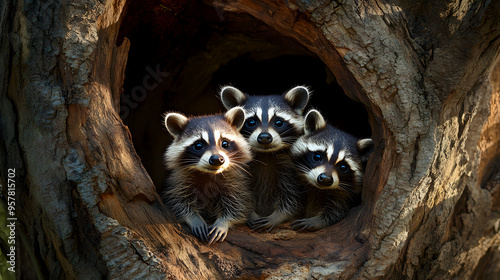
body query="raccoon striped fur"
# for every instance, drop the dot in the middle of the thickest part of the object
(208, 186)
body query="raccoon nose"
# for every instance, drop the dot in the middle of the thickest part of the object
(325, 180)
(216, 160)
(265, 138)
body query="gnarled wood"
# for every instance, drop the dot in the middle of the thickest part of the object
(424, 72)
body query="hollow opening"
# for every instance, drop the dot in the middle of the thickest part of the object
(182, 53)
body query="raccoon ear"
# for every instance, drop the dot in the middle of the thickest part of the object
(313, 121)
(175, 123)
(232, 97)
(365, 148)
(235, 117)
(297, 98)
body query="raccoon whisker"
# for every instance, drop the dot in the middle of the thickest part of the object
(290, 139)
(239, 161)
(187, 166)
(233, 154)
(242, 169)
(305, 170)
(346, 188)
(290, 129)
(188, 162)
(189, 169)
(236, 160)
(259, 161)
(347, 184)
(302, 168)
(299, 164)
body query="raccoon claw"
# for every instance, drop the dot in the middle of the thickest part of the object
(270, 221)
(307, 224)
(262, 224)
(218, 231)
(198, 227)
(200, 231)
(299, 225)
(252, 219)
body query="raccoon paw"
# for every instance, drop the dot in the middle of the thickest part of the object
(199, 229)
(269, 222)
(252, 218)
(308, 224)
(218, 231)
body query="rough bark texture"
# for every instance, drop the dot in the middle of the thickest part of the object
(431, 201)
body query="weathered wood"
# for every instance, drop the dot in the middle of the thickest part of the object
(431, 201)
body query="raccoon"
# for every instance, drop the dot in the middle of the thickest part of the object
(272, 125)
(208, 182)
(331, 164)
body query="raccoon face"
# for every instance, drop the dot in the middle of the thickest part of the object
(328, 158)
(272, 122)
(210, 144)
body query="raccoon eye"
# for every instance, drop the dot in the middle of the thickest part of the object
(197, 146)
(279, 123)
(250, 123)
(225, 144)
(344, 168)
(317, 157)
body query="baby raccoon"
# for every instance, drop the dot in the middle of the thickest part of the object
(272, 125)
(207, 181)
(331, 163)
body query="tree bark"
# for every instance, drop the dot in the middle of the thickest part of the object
(427, 73)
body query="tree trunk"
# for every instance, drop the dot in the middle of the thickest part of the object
(87, 208)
